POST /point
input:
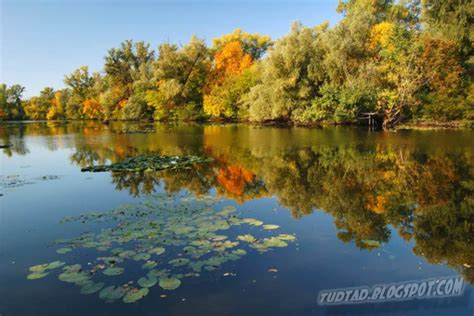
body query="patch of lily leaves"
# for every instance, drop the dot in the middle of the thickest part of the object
(168, 238)
(149, 163)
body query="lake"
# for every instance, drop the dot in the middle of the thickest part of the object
(273, 217)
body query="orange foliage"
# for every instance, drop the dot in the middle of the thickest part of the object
(234, 178)
(229, 61)
(441, 61)
(377, 204)
(92, 108)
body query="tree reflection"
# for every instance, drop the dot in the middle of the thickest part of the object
(425, 192)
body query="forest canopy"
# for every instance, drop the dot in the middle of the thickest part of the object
(399, 60)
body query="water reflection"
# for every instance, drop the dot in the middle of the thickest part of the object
(421, 183)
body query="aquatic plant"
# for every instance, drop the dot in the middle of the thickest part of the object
(170, 237)
(149, 163)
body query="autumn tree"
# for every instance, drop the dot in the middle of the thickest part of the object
(11, 106)
(223, 82)
(451, 19)
(57, 110)
(255, 45)
(290, 78)
(79, 82)
(179, 77)
(37, 108)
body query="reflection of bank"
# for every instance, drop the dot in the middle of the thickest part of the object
(367, 182)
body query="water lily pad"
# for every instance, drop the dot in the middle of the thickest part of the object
(111, 293)
(149, 265)
(156, 273)
(179, 262)
(36, 275)
(270, 226)
(148, 163)
(134, 295)
(91, 288)
(147, 282)
(76, 277)
(189, 225)
(247, 238)
(38, 267)
(252, 221)
(127, 254)
(141, 256)
(55, 264)
(239, 252)
(157, 251)
(274, 242)
(286, 237)
(169, 283)
(62, 251)
(219, 238)
(113, 271)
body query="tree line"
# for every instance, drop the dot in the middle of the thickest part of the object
(401, 60)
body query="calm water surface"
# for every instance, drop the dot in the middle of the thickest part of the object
(365, 207)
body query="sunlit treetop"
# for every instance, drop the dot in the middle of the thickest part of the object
(253, 44)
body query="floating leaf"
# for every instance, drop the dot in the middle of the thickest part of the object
(149, 265)
(55, 264)
(286, 237)
(62, 251)
(36, 275)
(113, 271)
(252, 221)
(147, 282)
(91, 288)
(111, 293)
(78, 278)
(127, 254)
(189, 225)
(169, 283)
(149, 163)
(179, 262)
(141, 256)
(38, 267)
(248, 238)
(156, 273)
(274, 242)
(135, 295)
(270, 226)
(219, 238)
(157, 251)
(239, 252)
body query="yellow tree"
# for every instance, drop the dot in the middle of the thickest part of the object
(57, 111)
(229, 63)
(253, 44)
(92, 108)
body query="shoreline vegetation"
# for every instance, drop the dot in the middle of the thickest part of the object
(403, 64)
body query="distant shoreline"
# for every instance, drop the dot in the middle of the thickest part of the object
(409, 125)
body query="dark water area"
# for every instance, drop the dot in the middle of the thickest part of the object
(346, 207)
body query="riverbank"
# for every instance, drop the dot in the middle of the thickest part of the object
(409, 125)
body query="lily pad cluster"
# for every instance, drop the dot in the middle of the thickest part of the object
(168, 238)
(15, 180)
(149, 163)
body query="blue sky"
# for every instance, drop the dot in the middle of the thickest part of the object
(42, 40)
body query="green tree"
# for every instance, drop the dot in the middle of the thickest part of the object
(291, 76)
(11, 106)
(80, 82)
(179, 75)
(37, 107)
